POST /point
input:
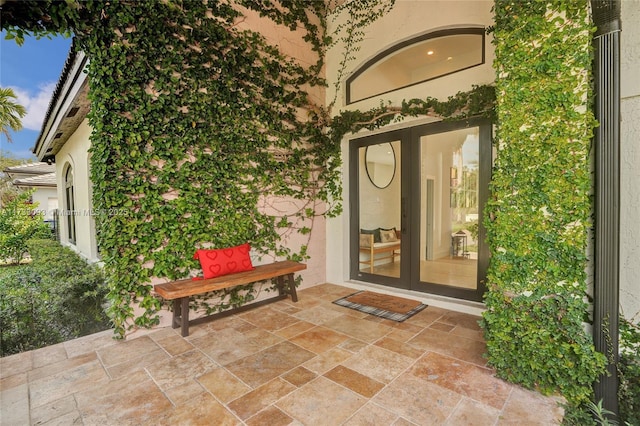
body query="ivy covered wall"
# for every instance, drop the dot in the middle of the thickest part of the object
(205, 133)
(199, 123)
(540, 211)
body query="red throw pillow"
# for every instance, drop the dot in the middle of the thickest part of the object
(217, 262)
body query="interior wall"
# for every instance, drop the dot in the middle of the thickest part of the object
(380, 207)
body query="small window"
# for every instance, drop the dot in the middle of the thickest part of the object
(418, 60)
(70, 205)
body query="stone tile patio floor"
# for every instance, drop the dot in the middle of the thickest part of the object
(305, 363)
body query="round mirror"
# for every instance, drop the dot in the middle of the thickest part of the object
(380, 162)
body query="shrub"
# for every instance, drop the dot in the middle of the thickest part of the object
(57, 297)
(629, 372)
(27, 316)
(18, 224)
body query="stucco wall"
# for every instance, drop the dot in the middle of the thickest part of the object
(630, 160)
(291, 43)
(47, 201)
(407, 20)
(75, 152)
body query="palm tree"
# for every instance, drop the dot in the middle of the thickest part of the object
(10, 112)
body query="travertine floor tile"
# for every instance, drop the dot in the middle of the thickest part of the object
(358, 328)
(76, 380)
(226, 345)
(184, 393)
(63, 365)
(260, 398)
(91, 343)
(14, 405)
(294, 329)
(174, 344)
(55, 410)
(49, 355)
(130, 400)
(473, 413)
(299, 376)
(271, 416)
(371, 415)
(180, 369)
(321, 402)
(223, 385)
(399, 347)
(525, 407)
(309, 363)
(318, 339)
(122, 351)
(355, 381)
(269, 363)
(469, 350)
(327, 360)
(466, 379)
(418, 401)
(379, 364)
(16, 364)
(317, 314)
(136, 363)
(203, 410)
(269, 319)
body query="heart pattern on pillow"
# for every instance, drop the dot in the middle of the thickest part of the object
(224, 261)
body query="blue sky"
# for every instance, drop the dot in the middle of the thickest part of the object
(32, 71)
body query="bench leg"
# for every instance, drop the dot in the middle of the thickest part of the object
(184, 318)
(280, 284)
(292, 288)
(181, 315)
(177, 312)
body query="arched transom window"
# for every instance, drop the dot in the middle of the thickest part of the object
(414, 61)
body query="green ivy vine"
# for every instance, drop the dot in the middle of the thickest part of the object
(198, 128)
(539, 215)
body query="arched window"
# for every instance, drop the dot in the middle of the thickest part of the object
(414, 61)
(69, 201)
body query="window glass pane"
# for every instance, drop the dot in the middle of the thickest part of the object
(417, 62)
(379, 198)
(449, 219)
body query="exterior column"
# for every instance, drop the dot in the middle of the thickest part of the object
(606, 16)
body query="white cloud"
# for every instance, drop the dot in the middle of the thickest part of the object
(35, 105)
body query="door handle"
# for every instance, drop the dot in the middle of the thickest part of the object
(403, 215)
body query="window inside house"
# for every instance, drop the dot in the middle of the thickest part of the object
(70, 205)
(418, 60)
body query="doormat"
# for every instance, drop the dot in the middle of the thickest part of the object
(381, 305)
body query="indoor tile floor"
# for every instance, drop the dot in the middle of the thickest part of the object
(305, 363)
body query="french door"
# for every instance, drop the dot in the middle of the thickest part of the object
(417, 198)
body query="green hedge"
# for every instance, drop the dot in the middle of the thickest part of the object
(629, 372)
(539, 214)
(56, 298)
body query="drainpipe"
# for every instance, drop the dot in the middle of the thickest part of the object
(606, 16)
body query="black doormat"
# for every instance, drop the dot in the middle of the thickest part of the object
(381, 305)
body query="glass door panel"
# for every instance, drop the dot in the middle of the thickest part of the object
(449, 210)
(379, 220)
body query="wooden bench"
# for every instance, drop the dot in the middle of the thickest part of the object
(180, 291)
(372, 249)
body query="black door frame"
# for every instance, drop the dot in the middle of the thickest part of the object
(485, 164)
(410, 206)
(355, 144)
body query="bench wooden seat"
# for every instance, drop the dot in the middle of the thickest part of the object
(180, 291)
